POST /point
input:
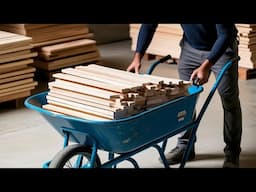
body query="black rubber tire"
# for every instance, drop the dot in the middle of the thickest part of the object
(65, 155)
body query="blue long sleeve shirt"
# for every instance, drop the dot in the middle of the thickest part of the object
(208, 37)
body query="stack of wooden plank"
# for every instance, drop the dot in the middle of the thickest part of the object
(102, 93)
(16, 72)
(46, 34)
(58, 45)
(165, 41)
(247, 50)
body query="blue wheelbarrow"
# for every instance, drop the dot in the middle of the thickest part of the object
(123, 138)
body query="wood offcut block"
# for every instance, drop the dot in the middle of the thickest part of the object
(245, 73)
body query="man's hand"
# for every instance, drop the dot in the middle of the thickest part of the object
(136, 64)
(202, 73)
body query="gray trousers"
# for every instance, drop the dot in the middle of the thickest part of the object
(228, 90)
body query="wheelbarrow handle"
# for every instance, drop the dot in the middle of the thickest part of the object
(153, 65)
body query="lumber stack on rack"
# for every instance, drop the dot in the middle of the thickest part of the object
(101, 93)
(58, 45)
(165, 41)
(247, 50)
(16, 72)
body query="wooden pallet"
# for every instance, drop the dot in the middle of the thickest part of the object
(245, 73)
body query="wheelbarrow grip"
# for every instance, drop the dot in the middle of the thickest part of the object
(153, 65)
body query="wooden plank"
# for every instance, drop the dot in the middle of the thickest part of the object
(6, 90)
(10, 40)
(83, 108)
(71, 112)
(15, 96)
(66, 62)
(18, 57)
(82, 89)
(66, 53)
(15, 83)
(17, 77)
(88, 103)
(60, 40)
(25, 47)
(16, 91)
(89, 82)
(18, 72)
(77, 95)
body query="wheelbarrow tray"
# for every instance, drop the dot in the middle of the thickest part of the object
(127, 134)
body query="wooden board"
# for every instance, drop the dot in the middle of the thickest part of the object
(9, 89)
(17, 77)
(15, 96)
(18, 72)
(71, 112)
(60, 40)
(25, 47)
(17, 57)
(66, 62)
(14, 66)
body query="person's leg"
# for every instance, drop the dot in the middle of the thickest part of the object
(229, 93)
(189, 60)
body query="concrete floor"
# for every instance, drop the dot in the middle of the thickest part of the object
(27, 140)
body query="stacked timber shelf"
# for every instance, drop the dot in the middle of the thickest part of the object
(165, 41)
(58, 45)
(96, 92)
(16, 70)
(247, 50)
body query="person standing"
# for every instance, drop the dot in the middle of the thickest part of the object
(205, 48)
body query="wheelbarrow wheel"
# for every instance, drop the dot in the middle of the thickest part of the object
(74, 156)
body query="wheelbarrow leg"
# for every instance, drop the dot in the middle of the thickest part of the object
(161, 153)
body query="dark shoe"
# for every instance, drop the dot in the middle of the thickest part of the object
(231, 161)
(175, 155)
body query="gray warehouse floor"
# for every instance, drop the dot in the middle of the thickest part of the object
(28, 141)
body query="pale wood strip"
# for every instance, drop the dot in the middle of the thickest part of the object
(82, 89)
(17, 77)
(75, 37)
(14, 54)
(107, 78)
(19, 57)
(71, 112)
(18, 72)
(92, 104)
(16, 83)
(18, 87)
(89, 82)
(76, 95)
(17, 91)
(25, 47)
(15, 96)
(67, 45)
(82, 108)
(15, 64)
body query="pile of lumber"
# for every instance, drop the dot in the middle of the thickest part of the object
(247, 50)
(96, 92)
(165, 41)
(58, 45)
(16, 72)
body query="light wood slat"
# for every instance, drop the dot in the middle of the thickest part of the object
(15, 64)
(67, 46)
(19, 57)
(82, 89)
(17, 91)
(17, 77)
(106, 78)
(60, 40)
(16, 83)
(18, 72)
(71, 112)
(6, 90)
(15, 96)
(82, 108)
(66, 62)
(16, 49)
(89, 82)
(11, 40)
(83, 102)
(81, 96)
